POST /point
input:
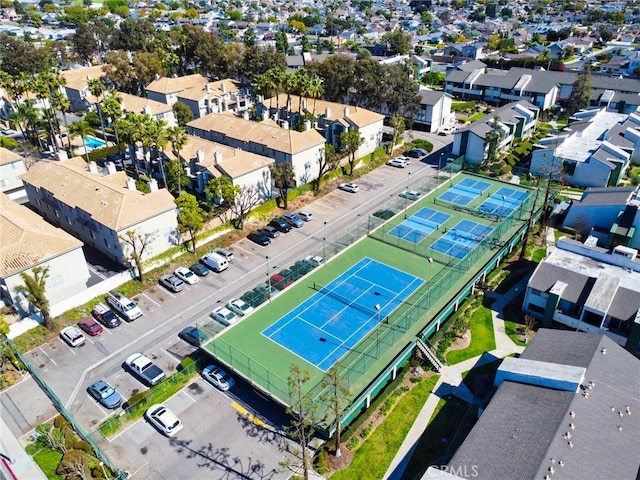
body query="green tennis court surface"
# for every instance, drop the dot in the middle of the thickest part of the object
(419, 280)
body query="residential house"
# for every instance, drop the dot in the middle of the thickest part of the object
(588, 288)
(140, 105)
(594, 150)
(215, 97)
(166, 89)
(435, 111)
(77, 86)
(99, 206)
(608, 214)
(332, 119)
(207, 160)
(303, 150)
(565, 408)
(513, 121)
(11, 167)
(29, 242)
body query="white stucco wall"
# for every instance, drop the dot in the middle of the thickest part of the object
(306, 164)
(163, 226)
(68, 275)
(9, 175)
(260, 179)
(590, 174)
(371, 137)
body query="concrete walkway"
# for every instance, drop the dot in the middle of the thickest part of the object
(18, 462)
(450, 381)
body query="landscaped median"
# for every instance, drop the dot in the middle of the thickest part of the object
(138, 403)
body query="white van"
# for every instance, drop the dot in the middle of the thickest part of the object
(125, 307)
(215, 262)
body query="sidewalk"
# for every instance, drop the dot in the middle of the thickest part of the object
(20, 464)
(450, 381)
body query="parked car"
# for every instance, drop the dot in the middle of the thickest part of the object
(105, 394)
(171, 283)
(72, 336)
(111, 158)
(254, 297)
(224, 316)
(302, 267)
(225, 253)
(259, 238)
(399, 162)
(215, 262)
(411, 195)
(218, 377)
(416, 153)
(280, 224)
(290, 274)
(279, 282)
(186, 275)
(163, 419)
(105, 315)
(293, 219)
(314, 260)
(267, 289)
(269, 231)
(239, 307)
(90, 326)
(199, 269)
(349, 187)
(127, 308)
(143, 368)
(191, 335)
(305, 215)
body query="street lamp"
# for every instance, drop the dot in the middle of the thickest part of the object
(377, 307)
(324, 242)
(408, 178)
(103, 471)
(268, 279)
(431, 282)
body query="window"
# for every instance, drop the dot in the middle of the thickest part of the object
(93, 235)
(4, 182)
(56, 281)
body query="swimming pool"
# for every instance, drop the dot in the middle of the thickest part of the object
(94, 143)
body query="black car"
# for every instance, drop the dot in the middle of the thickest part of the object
(112, 158)
(199, 269)
(191, 335)
(105, 315)
(269, 231)
(280, 224)
(416, 153)
(259, 238)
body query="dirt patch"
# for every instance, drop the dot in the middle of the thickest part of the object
(461, 342)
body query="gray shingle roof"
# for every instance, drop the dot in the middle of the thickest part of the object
(606, 196)
(578, 285)
(624, 305)
(522, 433)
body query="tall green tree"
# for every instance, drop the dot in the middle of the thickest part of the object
(112, 108)
(249, 38)
(178, 138)
(337, 397)
(135, 246)
(81, 129)
(221, 191)
(580, 96)
(190, 217)
(351, 141)
(183, 113)
(61, 103)
(327, 162)
(284, 179)
(398, 125)
(35, 288)
(97, 88)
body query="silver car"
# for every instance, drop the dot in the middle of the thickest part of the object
(349, 187)
(225, 252)
(172, 283)
(72, 336)
(224, 316)
(217, 377)
(239, 307)
(163, 419)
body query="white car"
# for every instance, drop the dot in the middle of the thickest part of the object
(163, 419)
(217, 377)
(399, 162)
(314, 260)
(239, 307)
(349, 187)
(304, 215)
(72, 336)
(224, 316)
(411, 195)
(186, 275)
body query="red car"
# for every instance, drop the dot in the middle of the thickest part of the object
(90, 326)
(279, 282)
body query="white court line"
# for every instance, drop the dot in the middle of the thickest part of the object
(45, 354)
(151, 299)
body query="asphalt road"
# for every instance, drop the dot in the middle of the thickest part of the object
(218, 440)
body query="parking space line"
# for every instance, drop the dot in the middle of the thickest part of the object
(140, 468)
(46, 355)
(90, 341)
(244, 250)
(99, 407)
(170, 294)
(184, 391)
(118, 434)
(150, 299)
(70, 348)
(245, 412)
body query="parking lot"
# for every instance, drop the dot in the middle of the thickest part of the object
(217, 437)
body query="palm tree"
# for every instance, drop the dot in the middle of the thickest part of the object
(128, 131)
(315, 90)
(82, 129)
(26, 117)
(263, 86)
(112, 107)
(275, 77)
(60, 102)
(302, 85)
(35, 288)
(96, 88)
(42, 89)
(289, 85)
(178, 138)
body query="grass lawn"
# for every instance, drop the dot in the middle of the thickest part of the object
(511, 328)
(539, 254)
(48, 461)
(449, 425)
(476, 117)
(482, 339)
(370, 462)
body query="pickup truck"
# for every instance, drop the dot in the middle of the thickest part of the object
(143, 368)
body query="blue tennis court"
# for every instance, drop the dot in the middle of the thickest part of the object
(462, 239)
(503, 202)
(464, 192)
(419, 225)
(332, 322)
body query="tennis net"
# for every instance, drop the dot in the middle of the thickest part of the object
(467, 189)
(346, 301)
(422, 221)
